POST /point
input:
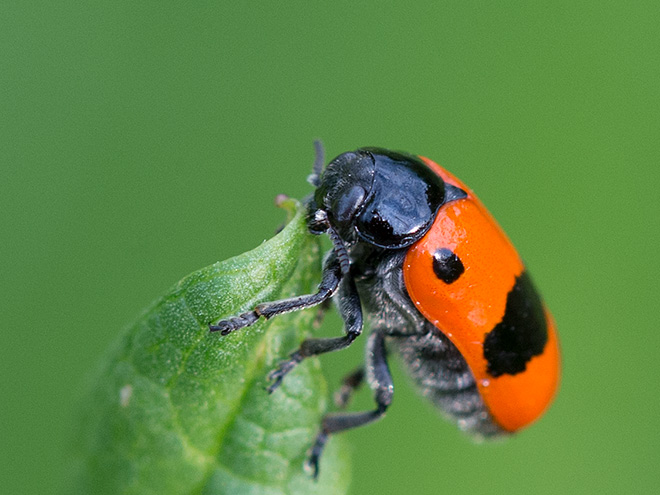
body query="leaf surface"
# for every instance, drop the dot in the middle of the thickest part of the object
(176, 409)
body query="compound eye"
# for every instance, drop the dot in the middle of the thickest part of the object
(347, 204)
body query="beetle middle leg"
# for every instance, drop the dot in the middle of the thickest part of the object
(348, 303)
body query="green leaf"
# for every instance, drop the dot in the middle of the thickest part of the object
(176, 409)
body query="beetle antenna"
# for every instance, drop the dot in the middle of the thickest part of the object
(340, 250)
(315, 177)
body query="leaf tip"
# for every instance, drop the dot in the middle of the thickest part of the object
(290, 205)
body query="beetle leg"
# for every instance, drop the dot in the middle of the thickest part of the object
(328, 286)
(350, 384)
(320, 313)
(350, 310)
(380, 381)
(319, 223)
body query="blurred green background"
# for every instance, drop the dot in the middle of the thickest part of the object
(140, 141)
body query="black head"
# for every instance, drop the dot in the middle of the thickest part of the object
(384, 198)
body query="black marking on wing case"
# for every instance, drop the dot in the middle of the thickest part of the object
(522, 333)
(447, 266)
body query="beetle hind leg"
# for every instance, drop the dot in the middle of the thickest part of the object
(349, 386)
(380, 380)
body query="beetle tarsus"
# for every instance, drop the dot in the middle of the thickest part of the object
(277, 375)
(225, 327)
(315, 454)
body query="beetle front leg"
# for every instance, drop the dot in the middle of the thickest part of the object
(326, 289)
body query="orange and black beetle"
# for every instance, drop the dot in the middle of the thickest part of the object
(416, 252)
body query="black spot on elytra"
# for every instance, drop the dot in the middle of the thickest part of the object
(522, 333)
(447, 266)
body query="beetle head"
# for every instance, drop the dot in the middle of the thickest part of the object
(381, 197)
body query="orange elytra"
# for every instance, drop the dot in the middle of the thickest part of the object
(470, 307)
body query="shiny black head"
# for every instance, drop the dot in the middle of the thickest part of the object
(385, 198)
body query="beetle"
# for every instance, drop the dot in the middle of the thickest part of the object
(416, 254)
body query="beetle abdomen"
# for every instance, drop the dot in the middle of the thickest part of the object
(444, 377)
